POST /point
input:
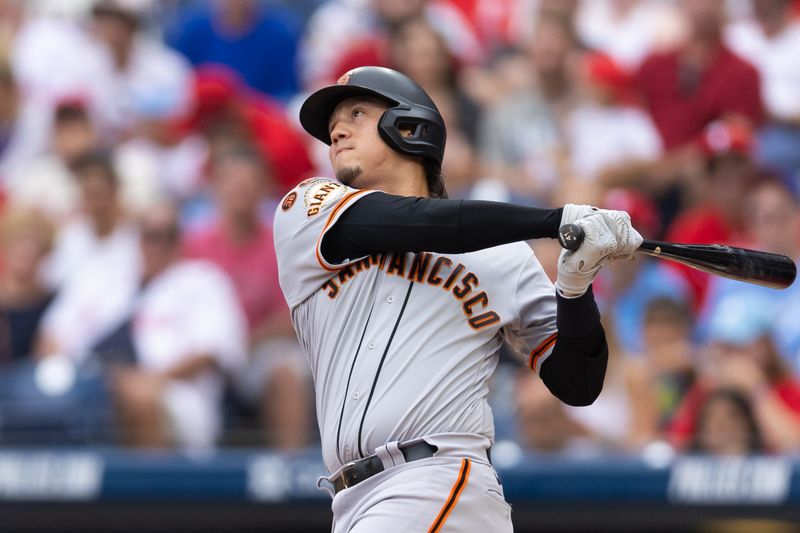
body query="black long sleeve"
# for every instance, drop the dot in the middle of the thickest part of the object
(383, 222)
(576, 368)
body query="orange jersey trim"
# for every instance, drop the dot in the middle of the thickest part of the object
(537, 352)
(455, 493)
(328, 223)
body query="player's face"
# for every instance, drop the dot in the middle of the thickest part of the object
(357, 152)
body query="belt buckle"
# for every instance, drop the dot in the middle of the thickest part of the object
(349, 473)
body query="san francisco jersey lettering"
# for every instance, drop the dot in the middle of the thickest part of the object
(414, 367)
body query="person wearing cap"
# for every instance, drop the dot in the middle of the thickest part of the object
(402, 298)
(687, 87)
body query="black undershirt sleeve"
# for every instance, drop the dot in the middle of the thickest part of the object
(576, 368)
(381, 222)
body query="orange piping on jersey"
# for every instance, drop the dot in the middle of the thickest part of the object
(331, 217)
(455, 493)
(539, 350)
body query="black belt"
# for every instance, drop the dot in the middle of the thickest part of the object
(355, 472)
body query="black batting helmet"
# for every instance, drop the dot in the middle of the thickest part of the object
(410, 107)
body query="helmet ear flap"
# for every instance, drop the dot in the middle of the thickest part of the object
(427, 136)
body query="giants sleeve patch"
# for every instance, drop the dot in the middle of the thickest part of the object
(321, 194)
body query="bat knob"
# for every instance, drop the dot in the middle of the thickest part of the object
(570, 237)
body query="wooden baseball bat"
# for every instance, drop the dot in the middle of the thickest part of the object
(762, 268)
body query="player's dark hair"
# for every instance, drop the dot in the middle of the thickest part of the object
(435, 179)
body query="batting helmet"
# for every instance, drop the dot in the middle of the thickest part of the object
(409, 107)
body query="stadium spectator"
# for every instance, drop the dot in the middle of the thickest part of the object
(227, 112)
(606, 128)
(771, 42)
(772, 223)
(144, 76)
(687, 88)
(740, 354)
(627, 30)
(727, 426)
(160, 155)
(276, 379)
(344, 34)
(169, 329)
(419, 51)
(258, 42)
(54, 58)
(47, 182)
(520, 137)
(101, 233)
(26, 237)
(659, 378)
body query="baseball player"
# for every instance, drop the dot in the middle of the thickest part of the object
(401, 299)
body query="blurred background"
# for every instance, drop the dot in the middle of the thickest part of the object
(149, 374)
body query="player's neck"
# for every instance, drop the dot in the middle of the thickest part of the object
(407, 180)
(411, 188)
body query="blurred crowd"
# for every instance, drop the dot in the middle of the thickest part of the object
(144, 146)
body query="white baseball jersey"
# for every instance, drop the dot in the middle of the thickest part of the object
(402, 345)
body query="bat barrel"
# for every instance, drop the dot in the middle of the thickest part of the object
(763, 268)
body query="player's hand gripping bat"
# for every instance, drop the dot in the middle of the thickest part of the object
(763, 268)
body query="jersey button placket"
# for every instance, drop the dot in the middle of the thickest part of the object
(371, 345)
(356, 395)
(390, 298)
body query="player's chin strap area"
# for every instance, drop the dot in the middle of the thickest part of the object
(386, 456)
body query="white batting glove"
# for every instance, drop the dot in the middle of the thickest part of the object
(577, 270)
(573, 212)
(619, 221)
(628, 239)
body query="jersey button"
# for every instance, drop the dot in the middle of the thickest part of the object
(390, 298)
(371, 345)
(356, 395)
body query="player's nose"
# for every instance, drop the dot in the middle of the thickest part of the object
(338, 132)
